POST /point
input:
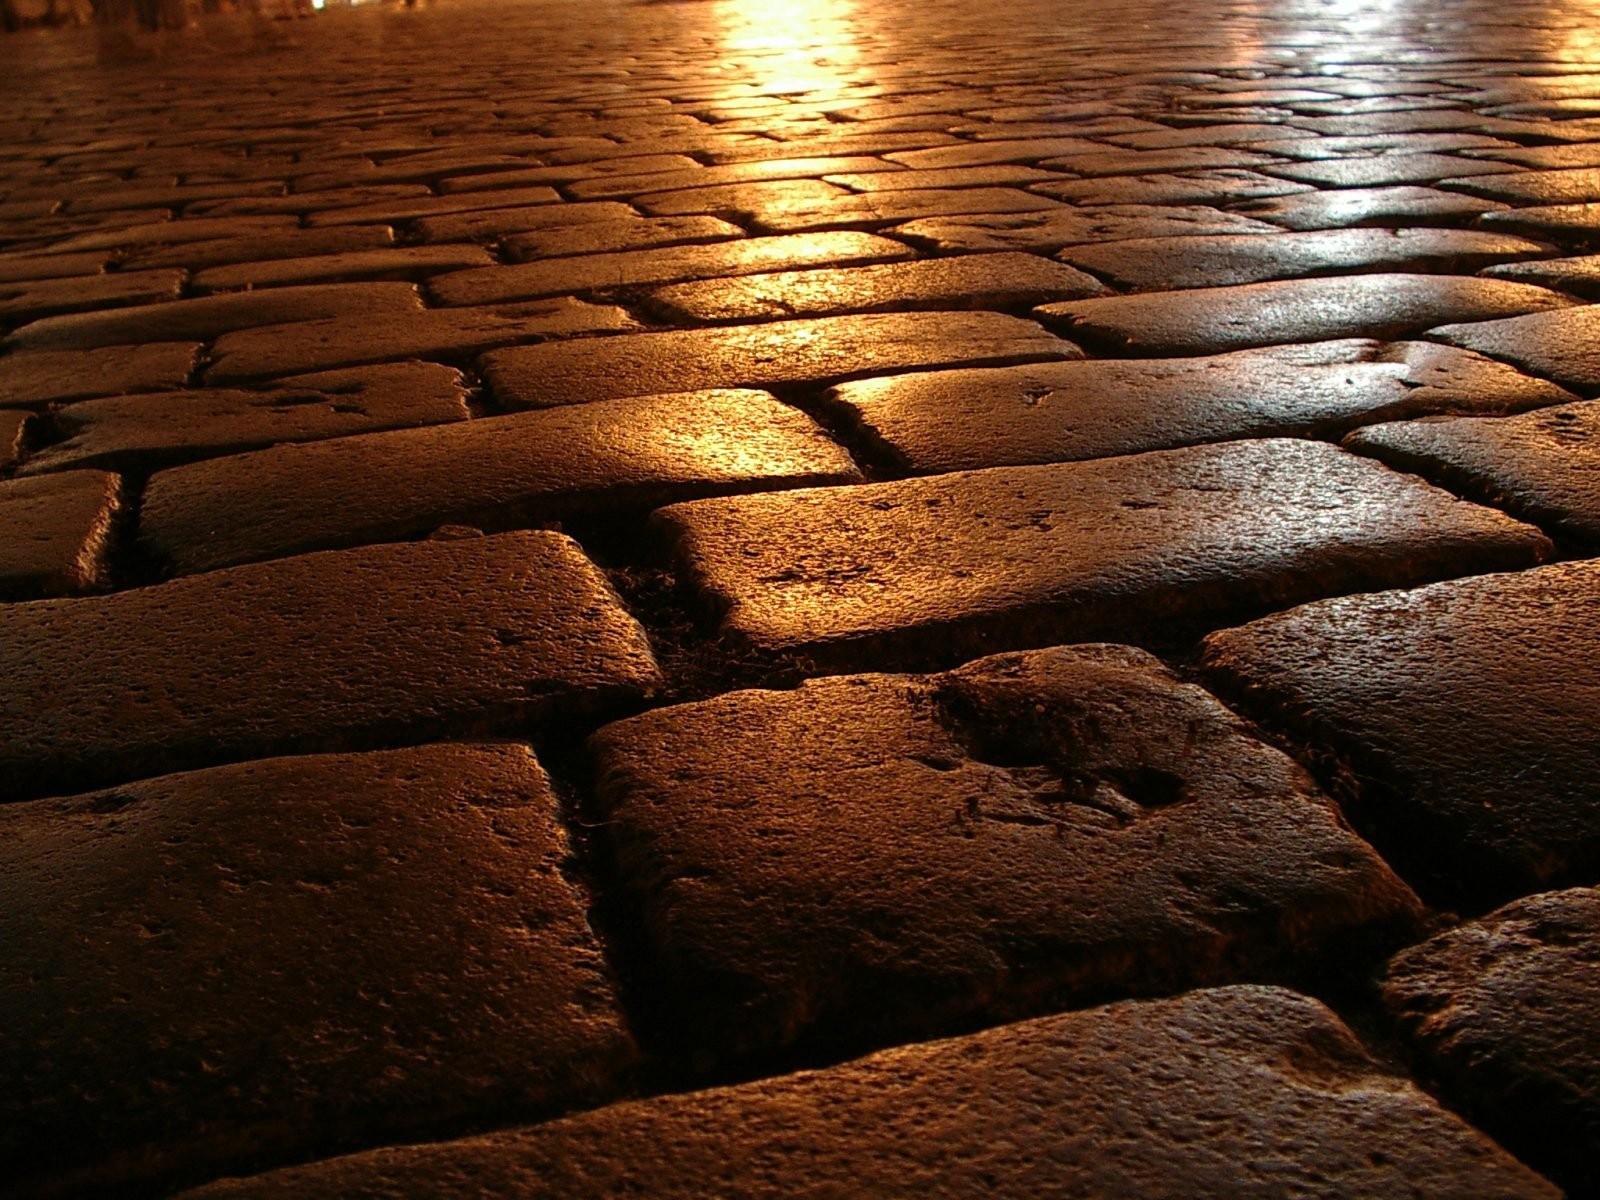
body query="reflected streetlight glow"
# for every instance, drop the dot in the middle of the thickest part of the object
(787, 47)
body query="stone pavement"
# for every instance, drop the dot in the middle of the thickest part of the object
(815, 598)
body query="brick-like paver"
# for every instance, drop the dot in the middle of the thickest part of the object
(35, 379)
(1558, 345)
(55, 533)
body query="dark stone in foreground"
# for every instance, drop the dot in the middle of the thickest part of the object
(36, 379)
(197, 967)
(1461, 714)
(1562, 345)
(13, 431)
(55, 533)
(1505, 1011)
(331, 651)
(1141, 548)
(1022, 834)
(1247, 1092)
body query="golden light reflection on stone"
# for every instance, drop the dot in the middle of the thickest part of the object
(791, 47)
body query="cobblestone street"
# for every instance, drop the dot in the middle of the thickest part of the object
(805, 598)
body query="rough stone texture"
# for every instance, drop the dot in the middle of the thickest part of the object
(15, 268)
(192, 963)
(1020, 835)
(1249, 1092)
(1208, 320)
(1459, 713)
(1557, 222)
(791, 214)
(325, 652)
(55, 533)
(385, 211)
(1003, 281)
(1215, 187)
(1505, 1010)
(630, 185)
(407, 262)
(157, 233)
(495, 473)
(602, 237)
(807, 351)
(1578, 186)
(1543, 466)
(30, 301)
(635, 268)
(1134, 548)
(207, 317)
(1062, 227)
(1386, 170)
(451, 334)
(34, 380)
(1391, 206)
(1158, 264)
(292, 243)
(1059, 412)
(146, 433)
(1580, 275)
(13, 428)
(498, 221)
(1562, 345)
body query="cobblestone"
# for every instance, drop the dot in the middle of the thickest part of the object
(55, 533)
(37, 378)
(1383, 206)
(406, 263)
(1557, 345)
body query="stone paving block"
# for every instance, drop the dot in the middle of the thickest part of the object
(452, 334)
(334, 651)
(602, 237)
(787, 214)
(1017, 836)
(405, 263)
(967, 281)
(494, 473)
(1543, 466)
(55, 533)
(1561, 345)
(1372, 144)
(1210, 320)
(141, 434)
(1107, 160)
(1503, 1010)
(557, 175)
(1578, 223)
(1097, 408)
(818, 350)
(1532, 187)
(1160, 264)
(979, 154)
(1213, 187)
(1389, 206)
(1579, 275)
(636, 268)
(1248, 1092)
(1062, 227)
(1230, 133)
(1460, 708)
(193, 964)
(293, 243)
(1546, 158)
(301, 203)
(157, 233)
(732, 199)
(495, 222)
(628, 187)
(206, 317)
(1385, 170)
(899, 180)
(1140, 549)
(13, 427)
(29, 301)
(387, 211)
(33, 380)
(16, 268)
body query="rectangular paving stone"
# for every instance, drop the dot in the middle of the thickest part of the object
(1460, 713)
(1580, 186)
(335, 651)
(1096, 408)
(1060, 227)
(141, 434)
(55, 533)
(1579, 275)
(38, 378)
(494, 473)
(818, 350)
(494, 222)
(451, 334)
(900, 180)
(157, 233)
(15, 268)
(301, 203)
(20, 302)
(602, 237)
(387, 211)
(1160, 264)
(636, 268)
(1005, 839)
(404, 262)
(1472, 145)
(1248, 1092)
(1218, 187)
(627, 187)
(788, 214)
(1560, 345)
(293, 243)
(1386, 206)
(733, 199)
(1210, 320)
(1139, 549)
(1543, 466)
(1005, 281)
(1503, 1011)
(1567, 224)
(206, 317)
(153, 1023)
(978, 154)
(1106, 160)
(555, 176)
(1384, 170)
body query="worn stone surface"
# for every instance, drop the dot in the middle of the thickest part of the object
(1384, 206)
(1386, 170)
(1019, 835)
(1458, 709)
(146, 433)
(494, 473)
(1577, 186)
(151, 1028)
(807, 351)
(609, 237)
(1159, 264)
(37, 378)
(328, 651)
(451, 334)
(1567, 223)
(120, 234)
(1219, 187)
(13, 429)
(291, 243)
(1061, 227)
(1560, 345)
(16, 268)
(492, 223)
(407, 262)
(207, 317)
(1059, 412)
(1004, 281)
(1544, 466)
(28, 301)
(1579, 275)
(636, 268)
(1027, 1109)
(55, 533)
(1208, 320)
(1132, 548)
(384, 211)
(791, 214)
(1505, 1010)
